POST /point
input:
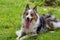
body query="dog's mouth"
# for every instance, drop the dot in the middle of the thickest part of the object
(28, 24)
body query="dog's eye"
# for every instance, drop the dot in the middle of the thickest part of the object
(31, 14)
(26, 13)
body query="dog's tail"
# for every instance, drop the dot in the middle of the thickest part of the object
(56, 24)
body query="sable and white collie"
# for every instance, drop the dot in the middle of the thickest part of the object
(32, 24)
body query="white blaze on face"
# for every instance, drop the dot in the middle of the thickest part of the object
(29, 12)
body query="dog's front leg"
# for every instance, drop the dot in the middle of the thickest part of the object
(19, 33)
(26, 36)
(22, 38)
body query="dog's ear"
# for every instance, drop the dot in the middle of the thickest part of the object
(35, 8)
(27, 7)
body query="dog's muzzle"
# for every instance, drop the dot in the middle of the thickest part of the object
(29, 19)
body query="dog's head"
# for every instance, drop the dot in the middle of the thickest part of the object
(30, 14)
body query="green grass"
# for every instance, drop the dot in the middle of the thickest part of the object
(10, 19)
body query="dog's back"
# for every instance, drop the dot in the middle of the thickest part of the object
(42, 27)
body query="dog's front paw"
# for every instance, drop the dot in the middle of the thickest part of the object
(17, 38)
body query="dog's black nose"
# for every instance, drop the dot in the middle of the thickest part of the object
(27, 18)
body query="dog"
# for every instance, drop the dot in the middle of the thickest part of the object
(32, 24)
(52, 22)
